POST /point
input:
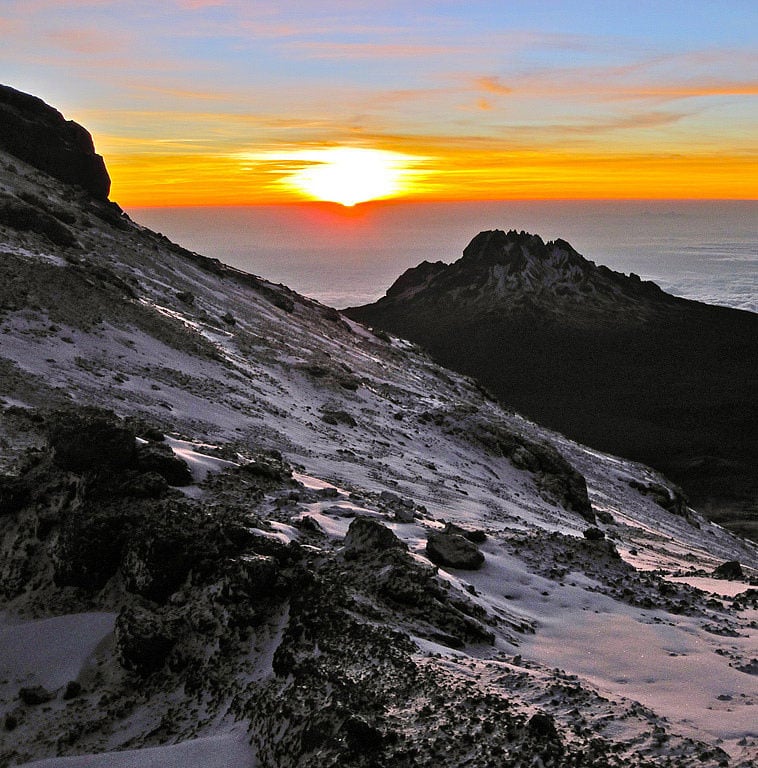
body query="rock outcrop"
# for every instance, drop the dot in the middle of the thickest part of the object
(452, 550)
(39, 135)
(366, 535)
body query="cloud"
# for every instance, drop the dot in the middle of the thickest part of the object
(493, 85)
(674, 91)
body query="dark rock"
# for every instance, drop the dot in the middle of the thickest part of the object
(34, 695)
(229, 318)
(731, 569)
(144, 638)
(404, 514)
(542, 727)
(159, 458)
(366, 536)
(157, 560)
(360, 736)
(88, 438)
(72, 690)
(267, 469)
(89, 546)
(39, 135)
(451, 550)
(335, 417)
(251, 579)
(670, 499)
(13, 495)
(26, 218)
(142, 485)
(474, 535)
(309, 525)
(594, 534)
(186, 297)
(144, 429)
(10, 722)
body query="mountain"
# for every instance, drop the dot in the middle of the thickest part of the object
(240, 529)
(606, 358)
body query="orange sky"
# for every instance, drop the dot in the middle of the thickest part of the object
(208, 102)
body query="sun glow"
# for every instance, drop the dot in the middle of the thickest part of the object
(348, 175)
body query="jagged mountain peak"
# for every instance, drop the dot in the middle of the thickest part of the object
(506, 270)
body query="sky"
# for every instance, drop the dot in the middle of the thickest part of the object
(230, 102)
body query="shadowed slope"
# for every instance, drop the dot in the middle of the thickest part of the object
(608, 359)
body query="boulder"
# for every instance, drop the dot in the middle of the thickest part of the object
(156, 562)
(88, 549)
(451, 550)
(366, 535)
(89, 438)
(34, 695)
(361, 737)
(72, 690)
(336, 417)
(731, 569)
(593, 534)
(542, 727)
(39, 135)
(28, 218)
(474, 535)
(159, 458)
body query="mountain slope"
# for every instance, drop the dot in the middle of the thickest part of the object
(237, 528)
(606, 358)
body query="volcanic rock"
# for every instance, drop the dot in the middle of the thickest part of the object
(39, 135)
(88, 438)
(159, 458)
(730, 570)
(366, 535)
(452, 550)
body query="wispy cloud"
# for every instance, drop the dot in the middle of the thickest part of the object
(494, 85)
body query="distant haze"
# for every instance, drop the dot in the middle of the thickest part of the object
(705, 250)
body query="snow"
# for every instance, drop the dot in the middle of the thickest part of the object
(669, 667)
(714, 586)
(49, 652)
(200, 464)
(223, 751)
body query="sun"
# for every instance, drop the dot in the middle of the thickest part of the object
(349, 175)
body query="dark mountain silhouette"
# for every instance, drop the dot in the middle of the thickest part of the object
(608, 359)
(38, 134)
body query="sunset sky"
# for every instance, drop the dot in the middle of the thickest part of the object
(234, 102)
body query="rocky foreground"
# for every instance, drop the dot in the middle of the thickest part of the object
(238, 529)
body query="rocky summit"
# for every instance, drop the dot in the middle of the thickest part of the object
(239, 529)
(607, 358)
(38, 134)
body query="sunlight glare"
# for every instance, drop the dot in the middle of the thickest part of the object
(349, 175)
